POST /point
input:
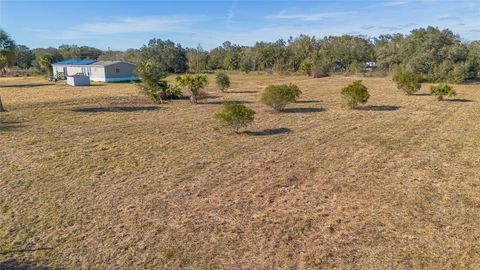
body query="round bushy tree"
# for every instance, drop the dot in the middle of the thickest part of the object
(278, 96)
(441, 90)
(235, 115)
(408, 82)
(223, 81)
(355, 93)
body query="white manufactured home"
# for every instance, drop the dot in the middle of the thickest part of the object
(98, 71)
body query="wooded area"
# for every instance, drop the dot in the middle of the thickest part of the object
(437, 55)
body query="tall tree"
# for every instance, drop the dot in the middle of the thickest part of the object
(7, 51)
(167, 55)
(24, 57)
(7, 55)
(46, 62)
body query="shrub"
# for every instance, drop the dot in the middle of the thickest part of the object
(457, 75)
(408, 82)
(278, 96)
(441, 90)
(153, 85)
(223, 81)
(235, 115)
(355, 93)
(194, 83)
(306, 68)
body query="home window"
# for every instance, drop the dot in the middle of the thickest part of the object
(117, 70)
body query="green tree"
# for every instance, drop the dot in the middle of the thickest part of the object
(441, 90)
(194, 83)
(355, 93)
(408, 82)
(166, 55)
(223, 81)
(235, 115)
(278, 96)
(46, 62)
(152, 84)
(7, 51)
(7, 55)
(24, 57)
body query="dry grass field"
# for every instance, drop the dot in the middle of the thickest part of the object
(98, 178)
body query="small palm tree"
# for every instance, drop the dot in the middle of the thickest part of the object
(194, 83)
(7, 55)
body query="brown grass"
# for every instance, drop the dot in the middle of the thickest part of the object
(95, 177)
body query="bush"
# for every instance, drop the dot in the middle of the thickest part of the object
(457, 75)
(278, 96)
(441, 90)
(194, 83)
(223, 81)
(153, 85)
(355, 93)
(235, 115)
(306, 68)
(408, 82)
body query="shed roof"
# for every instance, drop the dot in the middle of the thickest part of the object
(108, 63)
(75, 62)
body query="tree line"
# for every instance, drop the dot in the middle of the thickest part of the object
(436, 55)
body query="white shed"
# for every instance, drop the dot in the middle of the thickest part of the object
(78, 80)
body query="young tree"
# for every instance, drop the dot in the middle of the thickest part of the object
(223, 81)
(194, 83)
(46, 62)
(278, 96)
(408, 82)
(441, 90)
(235, 115)
(152, 84)
(355, 93)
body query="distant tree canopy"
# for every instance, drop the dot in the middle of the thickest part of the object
(76, 52)
(436, 55)
(166, 55)
(24, 57)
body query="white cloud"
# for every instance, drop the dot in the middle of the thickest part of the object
(388, 4)
(284, 15)
(124, 25)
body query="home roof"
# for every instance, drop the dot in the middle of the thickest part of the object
(75, 62)
(88, 62)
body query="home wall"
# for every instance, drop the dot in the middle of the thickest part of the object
(120, 72)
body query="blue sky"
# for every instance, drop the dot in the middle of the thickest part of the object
(126, 24)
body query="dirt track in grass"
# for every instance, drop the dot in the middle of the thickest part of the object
(96, 177)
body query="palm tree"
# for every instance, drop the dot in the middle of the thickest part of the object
(7, 55)
(46, 62)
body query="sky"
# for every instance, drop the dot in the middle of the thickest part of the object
(123, 24)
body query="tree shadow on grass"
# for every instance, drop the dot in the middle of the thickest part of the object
(268, 132)
(221, 102)
(378, 108)
(462, 100)
(25, 265)
(303, 110)
(242, 92)
(9, 125)
(116, 109)
(421, 94)
(25, 85)
(307, 101)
